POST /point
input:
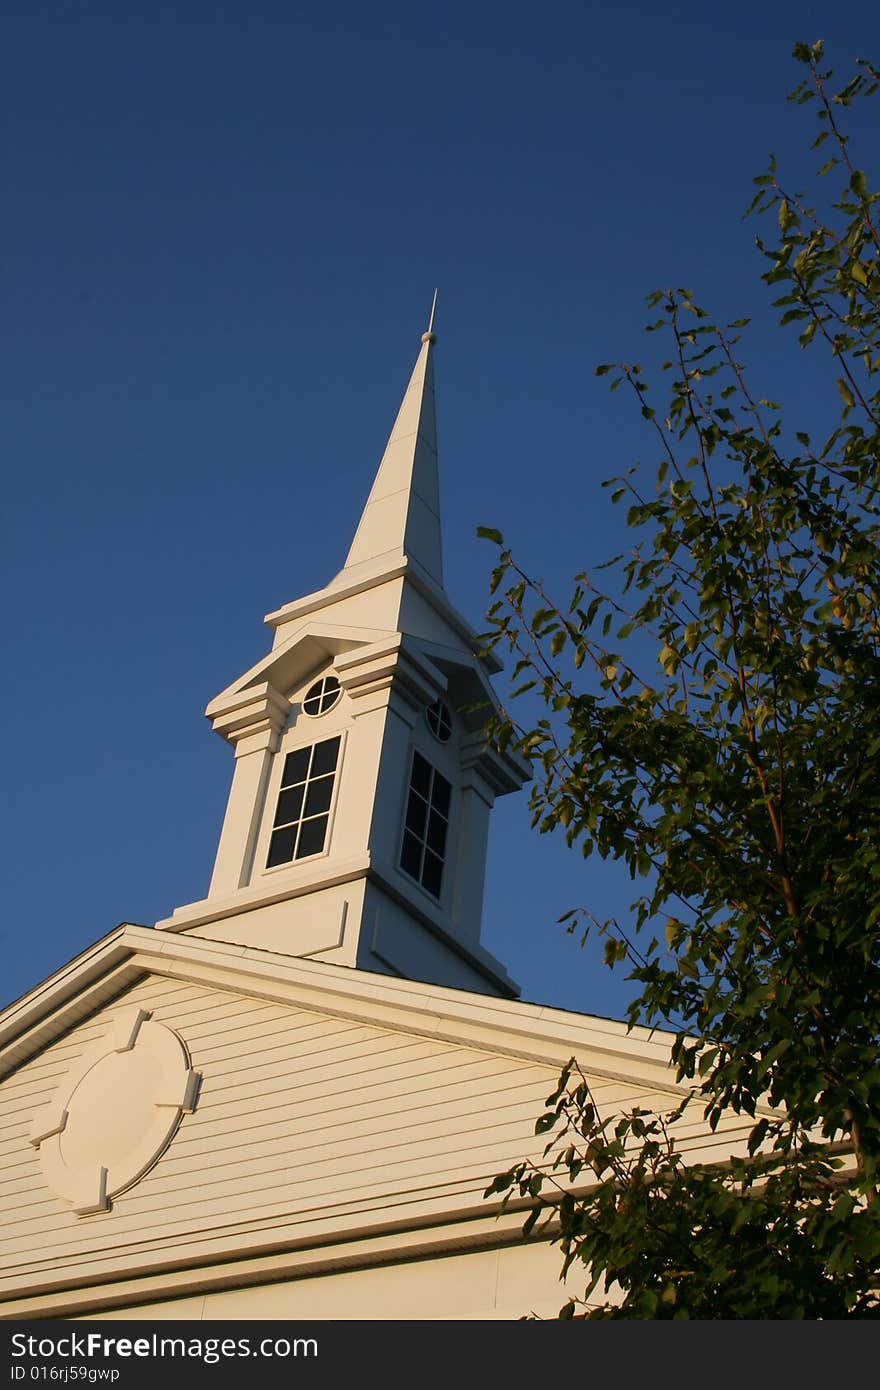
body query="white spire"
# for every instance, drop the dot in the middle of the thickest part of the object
(402, 515)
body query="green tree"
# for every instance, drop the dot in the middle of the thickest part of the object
(711, 716)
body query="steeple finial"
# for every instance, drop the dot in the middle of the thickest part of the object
(431, 336)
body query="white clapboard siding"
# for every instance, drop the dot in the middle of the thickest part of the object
(302, 1117)
(296, 1110)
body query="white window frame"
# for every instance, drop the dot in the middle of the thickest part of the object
(449, 851)
(274, 791)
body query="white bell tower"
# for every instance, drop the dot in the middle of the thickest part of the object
(357, 819)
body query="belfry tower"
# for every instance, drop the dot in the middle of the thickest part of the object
(356, 826)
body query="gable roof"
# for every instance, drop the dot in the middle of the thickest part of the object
(384, 1108)
(534, 1032)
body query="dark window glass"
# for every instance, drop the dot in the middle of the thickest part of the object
(427, 824)
(440, 795)
(432, 873)
(296, 767)
(281, 846)
(411, 856)
(439, 721)
(318, 799)
(321, 696)
(416, 814)
(289, 806)
(421, 775)
(311, 837)
(325, 757)
(436, 839)
(301, 818)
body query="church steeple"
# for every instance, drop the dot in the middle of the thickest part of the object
(402, 515)
(357, 820)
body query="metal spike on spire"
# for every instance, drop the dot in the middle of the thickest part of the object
(430, 336)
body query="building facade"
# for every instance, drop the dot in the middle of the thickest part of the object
(287, 1099)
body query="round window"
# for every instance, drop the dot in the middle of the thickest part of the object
(439, 721)
(322, 696)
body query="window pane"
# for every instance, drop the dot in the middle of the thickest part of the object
(289, 806)
(416, 814)
(436, 833)
(331, 693)
(325, 756)
(439, 721)
(296, 766)
(432, 873)
(322, 695)
(441, 794)
(411, 855)
(281, 846)
(318, 796)
(427, 825)
(421, 775)
(311, 837)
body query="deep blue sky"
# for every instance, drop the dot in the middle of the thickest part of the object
(222, 226)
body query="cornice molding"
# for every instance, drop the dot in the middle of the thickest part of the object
(532, 1032)
(395, 661)
(452, 1225)
(242, 714)
(298, 880)
(348, 583)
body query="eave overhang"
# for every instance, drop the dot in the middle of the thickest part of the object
(533, 1032)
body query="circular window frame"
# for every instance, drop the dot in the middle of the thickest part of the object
(438, 717)
(321, 687)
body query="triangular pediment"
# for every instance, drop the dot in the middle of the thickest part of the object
(305, 650)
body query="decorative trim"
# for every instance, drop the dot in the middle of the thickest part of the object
(260, 709)
(314, 877)
(152, 1095)
(396, 660)
(472, 1229)
(349, 582)
(534, 1032)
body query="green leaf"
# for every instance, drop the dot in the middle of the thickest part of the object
(858, 183)
(488, 533)
(845, 393)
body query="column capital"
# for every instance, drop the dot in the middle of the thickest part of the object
(251, 718)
